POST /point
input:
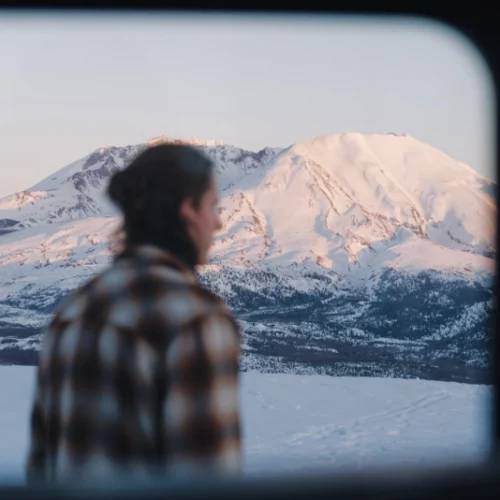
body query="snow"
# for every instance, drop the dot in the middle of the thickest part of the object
(193, 141)
(344, 207)
(347, 207)
(299, 424)
(347, 201)
(355, 201)
(60, 255)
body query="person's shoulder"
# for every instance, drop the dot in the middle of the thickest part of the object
(71, 304)
(101, 289)
(176, 298)
(216, 306)
(184, 301)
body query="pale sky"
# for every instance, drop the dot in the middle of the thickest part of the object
(70, 84)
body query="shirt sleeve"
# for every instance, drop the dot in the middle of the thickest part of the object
(37, 457)
(35, 465)
(200, 412)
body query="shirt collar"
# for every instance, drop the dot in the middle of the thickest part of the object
(153, 255)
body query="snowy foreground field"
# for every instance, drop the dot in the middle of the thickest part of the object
(300, 424)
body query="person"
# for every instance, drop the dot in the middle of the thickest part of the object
(138, 371)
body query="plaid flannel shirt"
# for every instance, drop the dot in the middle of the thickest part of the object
(138, 373)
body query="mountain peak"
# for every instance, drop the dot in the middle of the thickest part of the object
(193, 141)
(352, 135)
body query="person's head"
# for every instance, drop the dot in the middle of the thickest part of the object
(168, 198)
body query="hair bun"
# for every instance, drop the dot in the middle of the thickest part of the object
(117, 188)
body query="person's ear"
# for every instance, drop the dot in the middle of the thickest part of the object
(187, 212)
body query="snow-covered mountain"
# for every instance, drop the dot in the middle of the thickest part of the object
(378, 234)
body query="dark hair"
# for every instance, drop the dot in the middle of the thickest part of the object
(150, 191)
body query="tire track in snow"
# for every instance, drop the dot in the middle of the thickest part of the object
(357, 428)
